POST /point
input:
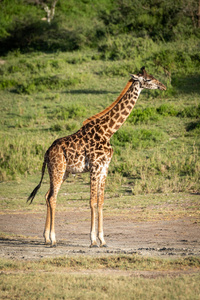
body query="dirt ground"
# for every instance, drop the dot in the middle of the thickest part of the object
(23, 236)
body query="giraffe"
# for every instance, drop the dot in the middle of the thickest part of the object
(89, 150)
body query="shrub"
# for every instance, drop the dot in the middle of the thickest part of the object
(56, 127)
(167, 110)
(145, 138)
(139, 115)
(139, 138)
(7, 83)
(125, 47)
(70, 112)
(190, 112)
(121, 137)
(20, 156)
(47, 82)
(194, 126)
(173, 58)
(143, 116)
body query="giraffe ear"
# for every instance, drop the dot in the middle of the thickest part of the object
(135, 77)
(143, 72)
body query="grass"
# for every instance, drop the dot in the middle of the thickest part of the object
(119, 200)
(154, 174)
(119, 262)
(67, 278)
(65, 286)
(40, 101)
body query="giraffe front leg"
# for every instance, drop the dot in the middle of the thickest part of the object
(93, 204)
(100, 227)
(100, 209)
(93, 231)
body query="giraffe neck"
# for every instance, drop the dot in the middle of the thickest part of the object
(115, 117)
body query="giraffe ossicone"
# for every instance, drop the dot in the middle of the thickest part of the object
(89, 150)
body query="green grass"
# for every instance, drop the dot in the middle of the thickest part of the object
(66, 286)
(67, 278)
(154, 173)
(156, 150)
(113, 262)
(119, 200)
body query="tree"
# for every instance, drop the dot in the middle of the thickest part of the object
(50, 11)
(49, 7)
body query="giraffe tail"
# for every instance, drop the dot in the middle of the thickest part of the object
(34, 192)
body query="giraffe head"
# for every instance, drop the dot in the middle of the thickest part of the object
(147, 81)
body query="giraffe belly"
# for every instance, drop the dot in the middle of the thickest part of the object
(79, 167)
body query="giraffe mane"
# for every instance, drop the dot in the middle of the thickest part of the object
(103, 112)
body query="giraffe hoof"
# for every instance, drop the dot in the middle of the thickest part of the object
(47, 243)
(53, 246)
(104, 246)
(93, 246)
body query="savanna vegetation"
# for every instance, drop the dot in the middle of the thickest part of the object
(59, 278)
(54, 75)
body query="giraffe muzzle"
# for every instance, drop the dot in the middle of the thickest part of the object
(162, 87)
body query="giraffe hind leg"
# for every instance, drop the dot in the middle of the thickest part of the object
(56, 179)
(46, 233)
(52, 208)
(93, 205)
(49, 213)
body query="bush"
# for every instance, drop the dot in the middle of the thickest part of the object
(145, 138)
(125, 47)
(77, 26)
(167, 110)
(194, 126)
(177, 59)
(190, 112)
(70, 112)
(18, 156)
(144, 116)
(139, 115)
(139, 138)
(7, 83)
(43, 83)
(56, 127)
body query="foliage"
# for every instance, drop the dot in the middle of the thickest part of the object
(42, 83)
(71, 112)
(139, 138)
(157, 19)
(144, 116)
(49, 95)
(125, 46)
(81, 24)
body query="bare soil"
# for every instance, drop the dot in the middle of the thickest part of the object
(164, 238)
